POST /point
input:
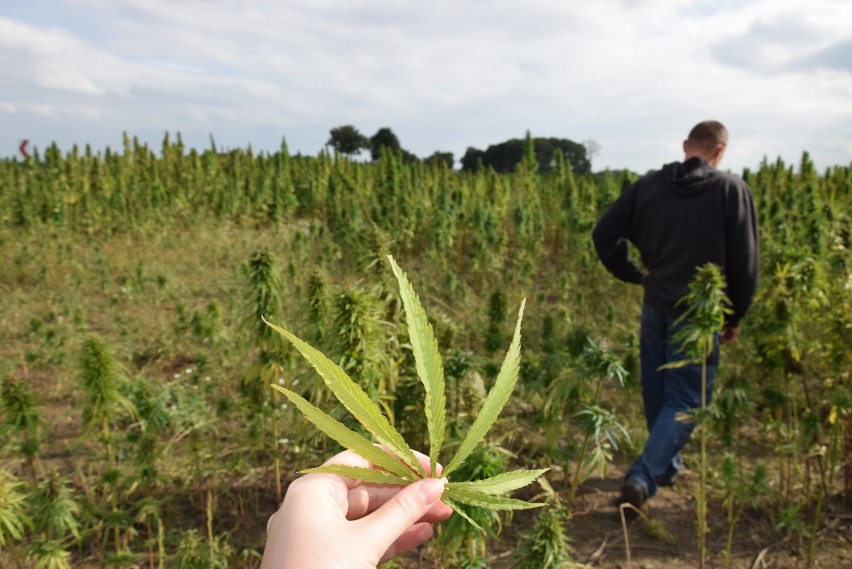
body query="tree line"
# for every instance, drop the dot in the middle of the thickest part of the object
(502, 157)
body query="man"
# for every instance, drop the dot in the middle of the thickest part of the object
(679, 218)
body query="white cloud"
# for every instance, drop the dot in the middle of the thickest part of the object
(777, 40)
(632, 74)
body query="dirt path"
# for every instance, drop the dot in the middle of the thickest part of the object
(666, 538)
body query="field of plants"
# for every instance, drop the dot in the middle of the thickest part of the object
(138, 427)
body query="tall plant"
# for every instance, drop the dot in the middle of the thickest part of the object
(21, 419)
(13, 516)
(601, 428)
(697, 335)
(102, 381)
(265, 288)
(55, 514)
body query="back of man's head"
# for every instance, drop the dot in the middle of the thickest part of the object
(708, 140)
(707, 135)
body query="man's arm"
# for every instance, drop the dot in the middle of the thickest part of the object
(610, 236)
(742, 253)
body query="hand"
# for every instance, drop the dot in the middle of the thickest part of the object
(334, 522)
(730, 333)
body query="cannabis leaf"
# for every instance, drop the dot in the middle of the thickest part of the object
(354, 399)
(427, 360)
(496, 399)
(395, 461)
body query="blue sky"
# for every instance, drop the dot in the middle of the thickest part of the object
(633, 75)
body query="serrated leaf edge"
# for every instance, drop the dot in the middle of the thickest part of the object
(344, 435)
(501, 483)
(360, 473)
(457, 509)
(488, 501)
(427, 360)
(494, 401)
(356, 401)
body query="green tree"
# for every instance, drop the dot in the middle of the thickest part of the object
(505, 156)
(384, 138)
(473, 160)
(347, 140)
(439, 157)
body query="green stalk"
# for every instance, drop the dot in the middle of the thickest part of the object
(569, 503)
(107, 439)
(150, 542)
(702, 497)
(209, 513)
(161, 544)
(729, 542)
(812, 542)
(821, 492)
(704, 318)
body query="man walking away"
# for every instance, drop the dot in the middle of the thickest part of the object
(680, 217)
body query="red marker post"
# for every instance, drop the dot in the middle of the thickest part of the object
(23, 148)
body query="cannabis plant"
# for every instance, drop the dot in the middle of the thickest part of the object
(398, 464)
(54, 509)
(458, 543)
(13, 517)
(600, 427)
(194, 553)
(20, 418)
(739, 492)
(546, 546)
(697, 336)
(55, 515)
(102, 381)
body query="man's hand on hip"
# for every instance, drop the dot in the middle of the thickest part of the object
(730, 333)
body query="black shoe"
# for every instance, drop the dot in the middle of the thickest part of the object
(634, 494)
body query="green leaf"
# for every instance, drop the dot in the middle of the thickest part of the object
(430, 370)
(502, 483)
(678, 364)
(496, 400)
(355, 400)
(343, 435)
(487, 501)
(457, 509)
(360, 473)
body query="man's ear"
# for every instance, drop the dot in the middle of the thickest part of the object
(718, 153)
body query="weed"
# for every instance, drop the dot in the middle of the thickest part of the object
(400, 466)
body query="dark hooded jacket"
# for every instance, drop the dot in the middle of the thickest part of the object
(679, 218)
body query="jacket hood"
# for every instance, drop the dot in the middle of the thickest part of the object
(690, 177)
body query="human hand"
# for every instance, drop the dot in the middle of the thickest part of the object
(730, 333)
(334, 522)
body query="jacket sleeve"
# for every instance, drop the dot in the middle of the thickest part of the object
(741, 252)
(611, 235)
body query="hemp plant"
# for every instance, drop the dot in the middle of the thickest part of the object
(14, 521)
(21, 420)
(599, 425)
(395, 461)
(697, 334)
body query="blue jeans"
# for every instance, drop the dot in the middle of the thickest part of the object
(666, 394)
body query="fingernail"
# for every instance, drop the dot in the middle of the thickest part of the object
(431, 490)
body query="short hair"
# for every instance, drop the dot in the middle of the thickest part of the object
(707, 135)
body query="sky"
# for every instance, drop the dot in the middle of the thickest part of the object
(632, 75)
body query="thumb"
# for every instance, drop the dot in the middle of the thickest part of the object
(384, 526)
